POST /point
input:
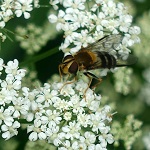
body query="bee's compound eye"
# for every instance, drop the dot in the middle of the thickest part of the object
(73, 68)
(68, 57)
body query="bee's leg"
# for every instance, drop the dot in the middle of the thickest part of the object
(95, 77)
(90, 81)
(67, 78)
(95, 85)
(73, 80)
(91, 76)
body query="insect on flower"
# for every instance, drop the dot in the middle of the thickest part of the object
(95, 56)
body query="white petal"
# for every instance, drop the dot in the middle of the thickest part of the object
(18, 13)
(16, 114)
(26, 15)
(6, 135)
(30, 117)
(4, 128)
(9, 121)
(16, 124)
(2, 24)
(52, 18)
(42, 136)
(33, 136)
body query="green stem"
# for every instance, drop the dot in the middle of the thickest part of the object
(5, 31)
(40, 57)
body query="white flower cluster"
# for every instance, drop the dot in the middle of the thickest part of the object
(67, 120)
(85, 22)
(123, 80)
(11, 105)
(128, 132)
(11, 8)
(62, 116)
(37, 36)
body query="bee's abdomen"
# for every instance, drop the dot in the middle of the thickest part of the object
(107, 60)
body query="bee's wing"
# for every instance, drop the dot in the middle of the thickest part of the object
(105, 44)
(131, 60)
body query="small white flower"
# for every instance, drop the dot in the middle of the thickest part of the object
(6, 8)
(77, 104)
(5, 116)
(23, 7)
(73, 5)
(125, 22)
(92, 104)
(103, 142)
(83, 39)
(72, 130)
(46, 96)
(84, 119)
(21, 107)
(67, 116)
(60, 19)
(54, 3)
(53, 116)
(37, 131)
(109, 9)
(11, 84)
(12, 67)
(106, 136)
(52, 133)
(9, 131)
(89, 138)
(61, 104)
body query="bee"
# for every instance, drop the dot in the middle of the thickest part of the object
(95, 56)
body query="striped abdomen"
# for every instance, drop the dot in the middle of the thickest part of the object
(107, 60)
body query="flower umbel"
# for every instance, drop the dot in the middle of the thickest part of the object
(62, 117)
(83, 25)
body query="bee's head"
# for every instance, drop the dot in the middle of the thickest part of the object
(69, 65)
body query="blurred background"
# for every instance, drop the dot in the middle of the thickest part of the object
(129, 88)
